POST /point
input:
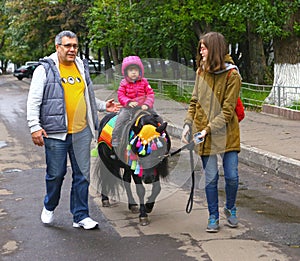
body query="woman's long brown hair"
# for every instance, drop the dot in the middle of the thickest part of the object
(217, 49)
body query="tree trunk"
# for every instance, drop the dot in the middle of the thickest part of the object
(107, 64)
(257, 61)
(114, 55)
(286, 67)
(175, 64)
(99, 60)
(163, 65)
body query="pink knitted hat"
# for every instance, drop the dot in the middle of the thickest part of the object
(132, 60)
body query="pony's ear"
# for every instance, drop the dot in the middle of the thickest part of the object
(161, 127)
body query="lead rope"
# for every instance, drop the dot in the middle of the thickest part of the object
(189, 205)
(190, 147)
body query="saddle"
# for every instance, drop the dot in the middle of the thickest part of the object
(141, 136)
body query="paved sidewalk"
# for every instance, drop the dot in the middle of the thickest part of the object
(267, 141)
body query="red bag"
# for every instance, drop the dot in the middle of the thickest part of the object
(239, 109)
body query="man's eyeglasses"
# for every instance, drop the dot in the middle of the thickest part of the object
(68, 46)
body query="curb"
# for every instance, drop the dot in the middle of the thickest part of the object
(281, 111)
(278, 165)
(275, 164)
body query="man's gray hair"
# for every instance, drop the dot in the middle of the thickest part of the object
(62, 34)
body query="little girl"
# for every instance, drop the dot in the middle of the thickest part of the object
(134, 91)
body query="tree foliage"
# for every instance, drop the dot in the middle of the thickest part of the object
(34, 24)
(168, 29)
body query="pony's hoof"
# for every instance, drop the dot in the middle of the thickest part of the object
(149, 207)
(105, 203)
(144, 221)
(134, 209)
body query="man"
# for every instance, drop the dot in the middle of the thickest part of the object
(62, 115)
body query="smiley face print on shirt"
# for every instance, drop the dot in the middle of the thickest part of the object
(71, 80)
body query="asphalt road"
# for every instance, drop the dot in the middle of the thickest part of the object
(269, 209)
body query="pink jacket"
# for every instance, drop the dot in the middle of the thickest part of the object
(139, 91)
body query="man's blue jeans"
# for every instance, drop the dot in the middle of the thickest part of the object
(78, 147)
(230, 166)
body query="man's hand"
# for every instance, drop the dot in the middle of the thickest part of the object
(111, 106)
(38, 137)
(133, 104)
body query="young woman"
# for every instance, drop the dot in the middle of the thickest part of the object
(212, 115)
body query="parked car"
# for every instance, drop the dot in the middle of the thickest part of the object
(31, 62)
(25, 71)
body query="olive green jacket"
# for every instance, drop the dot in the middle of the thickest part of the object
(212, 108)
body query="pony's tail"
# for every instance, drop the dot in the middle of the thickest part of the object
(163, 168)
(107, 173)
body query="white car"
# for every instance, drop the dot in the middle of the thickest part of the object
(31, 63)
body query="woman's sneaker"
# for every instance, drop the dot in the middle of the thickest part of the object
(231, 217)
(213, 225)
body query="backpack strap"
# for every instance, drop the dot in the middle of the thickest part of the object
(229, 73)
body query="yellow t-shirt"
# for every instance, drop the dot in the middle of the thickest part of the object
(74, 97)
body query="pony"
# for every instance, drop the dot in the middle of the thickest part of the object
(142, 155)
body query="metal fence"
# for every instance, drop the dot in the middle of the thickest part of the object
(253, 95)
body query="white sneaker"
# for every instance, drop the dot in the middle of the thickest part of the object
(47, 216)
(86, 223)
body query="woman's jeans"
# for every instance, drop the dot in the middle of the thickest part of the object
(230, 166)
(78, 147)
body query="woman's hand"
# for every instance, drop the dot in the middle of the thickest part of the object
(199, 136)
(203, 134)
(186, 133)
